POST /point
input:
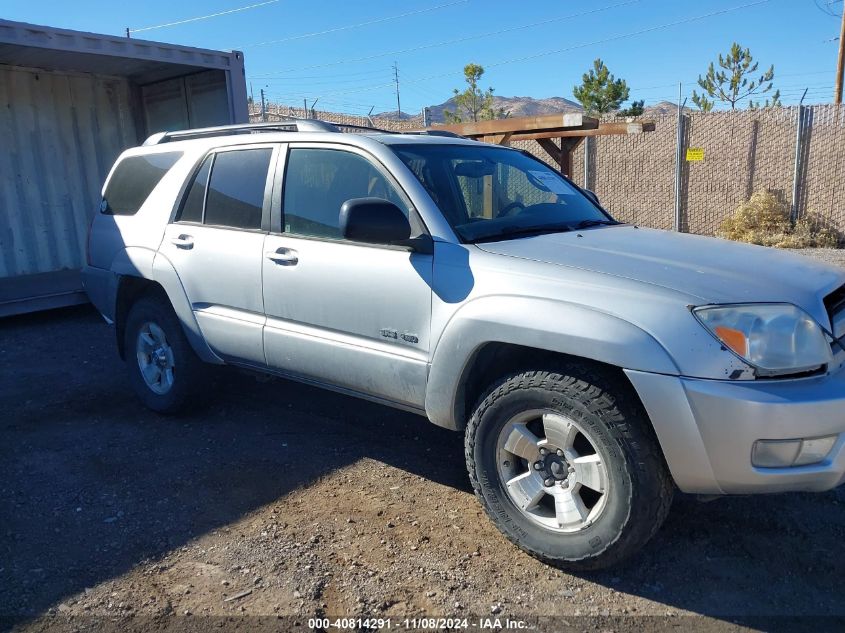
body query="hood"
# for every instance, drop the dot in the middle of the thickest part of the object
(706, 269)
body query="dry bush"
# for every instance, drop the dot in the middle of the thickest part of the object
(765, 221)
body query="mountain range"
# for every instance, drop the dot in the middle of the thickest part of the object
(524, 106)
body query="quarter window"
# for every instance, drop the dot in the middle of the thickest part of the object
(235, 195)
(133, 181)
(319, 181)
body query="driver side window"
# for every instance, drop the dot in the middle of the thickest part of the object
(319, 181)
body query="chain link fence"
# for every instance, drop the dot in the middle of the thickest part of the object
(744, 151)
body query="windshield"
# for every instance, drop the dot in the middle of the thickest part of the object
(489, 192)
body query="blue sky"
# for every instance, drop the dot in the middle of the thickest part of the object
(652, 44)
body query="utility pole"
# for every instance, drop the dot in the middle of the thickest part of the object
(263, 107)
(305, 108)
(396, 79)
(840, 64)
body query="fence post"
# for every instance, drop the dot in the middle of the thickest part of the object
(263, 107)
(679, 157)
(796, 173)
(587, 141)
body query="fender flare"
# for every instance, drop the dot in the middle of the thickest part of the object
(151, 265)
(544, 324)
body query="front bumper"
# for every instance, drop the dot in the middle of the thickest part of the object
(707, 429)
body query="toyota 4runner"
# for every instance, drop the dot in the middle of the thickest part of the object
(594, 366)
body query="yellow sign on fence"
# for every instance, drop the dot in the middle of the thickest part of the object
(695, 154)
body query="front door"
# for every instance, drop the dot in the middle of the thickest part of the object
(216, 245)
(350, 315)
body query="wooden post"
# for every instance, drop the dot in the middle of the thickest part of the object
(488, 197)
(551, 149)
(567, 145)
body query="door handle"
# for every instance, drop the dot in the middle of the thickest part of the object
(283, 256)
(183, 241)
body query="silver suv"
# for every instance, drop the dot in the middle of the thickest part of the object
(593, 366)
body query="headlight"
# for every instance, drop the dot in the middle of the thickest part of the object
(776, 338)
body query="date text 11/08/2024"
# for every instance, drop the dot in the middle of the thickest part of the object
(413, 624)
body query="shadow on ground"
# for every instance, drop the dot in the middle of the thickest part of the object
(91, 484)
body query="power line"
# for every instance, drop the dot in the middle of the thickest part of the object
(574, 47)
(330, 82)
(356, 26)
(203, 17)
(628, 35)
(453, 41)
(825, 7)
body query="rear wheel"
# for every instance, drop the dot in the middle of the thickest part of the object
(163, 369)
(567, 467)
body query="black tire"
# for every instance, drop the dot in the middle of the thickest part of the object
(639, 491)
(189, 372)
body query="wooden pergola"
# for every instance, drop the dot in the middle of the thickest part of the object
(570, 128)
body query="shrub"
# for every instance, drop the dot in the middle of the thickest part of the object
(764, 220)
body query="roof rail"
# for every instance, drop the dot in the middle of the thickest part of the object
(292, 125)
(364, 128)
(429, 132)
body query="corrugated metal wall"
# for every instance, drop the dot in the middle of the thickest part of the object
(59, 135)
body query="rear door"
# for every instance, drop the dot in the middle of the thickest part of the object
(216, 243)
(355, 316)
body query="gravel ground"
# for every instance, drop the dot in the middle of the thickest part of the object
(275, 499)
(830, 255)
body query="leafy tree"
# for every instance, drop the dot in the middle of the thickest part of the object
(737, 80)
(600, 92)
(473, 103)
(635, 109)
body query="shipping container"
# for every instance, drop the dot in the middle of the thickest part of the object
(70, 102)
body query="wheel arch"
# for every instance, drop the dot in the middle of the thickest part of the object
(487, 339)
(164, 283)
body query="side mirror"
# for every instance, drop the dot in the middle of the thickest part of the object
(373, 221)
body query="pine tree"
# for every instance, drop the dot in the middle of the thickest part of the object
(635, 109)
(600, 92)
(735, 82)
(473, 103)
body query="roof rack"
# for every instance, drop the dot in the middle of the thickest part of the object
(287, 125)
(292, 125)
(364, 128)
(432, 133)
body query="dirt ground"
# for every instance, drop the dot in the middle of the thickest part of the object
(319, 504)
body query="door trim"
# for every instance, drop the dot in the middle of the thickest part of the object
(342, 339)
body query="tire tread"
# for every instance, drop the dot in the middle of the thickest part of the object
(590, 385)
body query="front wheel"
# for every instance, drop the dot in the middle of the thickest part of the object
(567, 467)
(164, 371)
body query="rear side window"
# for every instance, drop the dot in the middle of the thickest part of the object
(194, 201)
(235, 195)
(133, 181)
